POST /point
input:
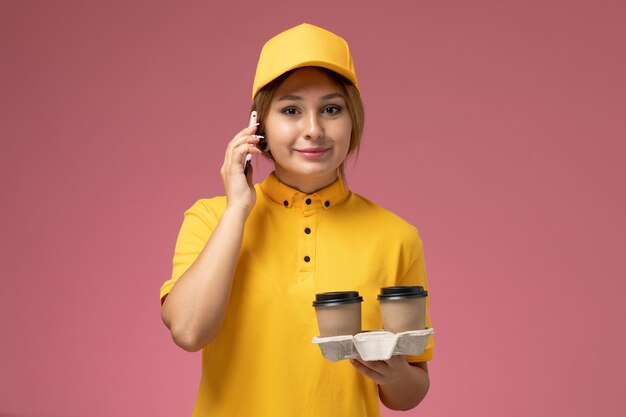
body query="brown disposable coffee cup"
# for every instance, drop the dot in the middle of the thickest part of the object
(338, 313)
(403, 308)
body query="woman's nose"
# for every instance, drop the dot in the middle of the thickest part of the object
(313, 129)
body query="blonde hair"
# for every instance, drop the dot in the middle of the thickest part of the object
(263, 99)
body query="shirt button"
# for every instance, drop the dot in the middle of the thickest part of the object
(327, 203)
(307, 259)
(307, 231)
(285, 203)
(308, 201)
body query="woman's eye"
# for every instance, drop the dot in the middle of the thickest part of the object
(290, 111)
(332, 109)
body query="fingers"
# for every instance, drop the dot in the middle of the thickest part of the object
(369, 369)
(384, 371)
(242, 144)
(244, 136)
(366, 369)
(375, 366)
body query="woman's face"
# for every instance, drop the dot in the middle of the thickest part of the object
(308, 129)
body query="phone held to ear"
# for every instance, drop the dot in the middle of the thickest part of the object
(249, 156)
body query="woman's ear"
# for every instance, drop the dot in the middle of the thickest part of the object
(263, 146)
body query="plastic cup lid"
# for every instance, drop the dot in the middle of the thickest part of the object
(398, 293)
(328, 299)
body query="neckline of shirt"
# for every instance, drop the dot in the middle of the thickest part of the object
(288, 197)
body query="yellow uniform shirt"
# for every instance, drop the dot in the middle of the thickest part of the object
(262, 361)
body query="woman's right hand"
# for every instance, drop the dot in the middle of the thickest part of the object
(240, 192)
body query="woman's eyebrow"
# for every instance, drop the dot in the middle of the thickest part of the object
(332, 95)
(289, 97)
(296, 98)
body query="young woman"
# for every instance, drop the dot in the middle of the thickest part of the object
(247, 265)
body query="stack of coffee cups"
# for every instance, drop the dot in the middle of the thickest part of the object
(403, 308)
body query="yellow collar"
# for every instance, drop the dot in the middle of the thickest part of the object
(284, 195)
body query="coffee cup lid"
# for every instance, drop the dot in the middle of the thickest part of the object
(328, 299)
(397, 293)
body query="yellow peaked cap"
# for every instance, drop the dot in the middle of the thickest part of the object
(303, 46)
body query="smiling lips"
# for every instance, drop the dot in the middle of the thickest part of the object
(312, 153)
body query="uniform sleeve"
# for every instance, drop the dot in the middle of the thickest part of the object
(416, 275)
(198, 224)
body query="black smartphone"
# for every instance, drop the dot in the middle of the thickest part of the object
(249, 156)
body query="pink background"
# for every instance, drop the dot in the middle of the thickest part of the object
(497, 127)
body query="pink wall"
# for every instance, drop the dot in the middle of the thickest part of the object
(497, 127)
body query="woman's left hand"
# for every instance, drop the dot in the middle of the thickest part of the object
(401, 386)
(383, 372)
